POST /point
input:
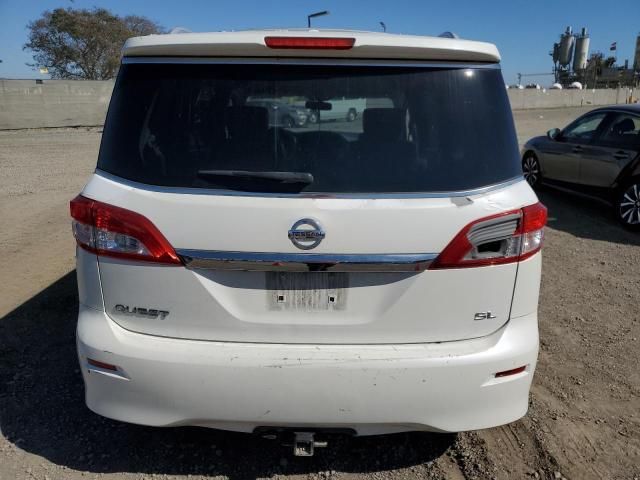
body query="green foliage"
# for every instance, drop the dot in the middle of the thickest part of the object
(83, 44)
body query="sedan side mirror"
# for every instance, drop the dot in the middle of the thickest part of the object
(553, 133)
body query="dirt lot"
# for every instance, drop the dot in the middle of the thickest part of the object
(584, 419)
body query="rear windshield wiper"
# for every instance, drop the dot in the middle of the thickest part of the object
(303, 178)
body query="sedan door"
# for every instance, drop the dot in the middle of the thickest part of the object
(614, 148)
(561, 156)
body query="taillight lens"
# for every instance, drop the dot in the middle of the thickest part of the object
(112, 231)
(503, 238)
(310, 43)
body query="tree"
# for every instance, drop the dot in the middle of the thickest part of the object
(83, 44)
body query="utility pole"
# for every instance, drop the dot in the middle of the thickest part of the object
(314, 15)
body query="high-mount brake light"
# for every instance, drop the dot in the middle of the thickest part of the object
(310, 43)
(495, 240)
(112, 231)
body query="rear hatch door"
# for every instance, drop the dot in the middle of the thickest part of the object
(182, 148)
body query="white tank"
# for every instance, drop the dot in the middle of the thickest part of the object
(581, 52)
(565, 52)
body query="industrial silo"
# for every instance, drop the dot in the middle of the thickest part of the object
(565, 52)
(636, 58)
(555, 54)
(581, 52)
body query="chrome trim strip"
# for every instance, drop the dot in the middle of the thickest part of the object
(309, 61)
(305, 262)
(364, 196)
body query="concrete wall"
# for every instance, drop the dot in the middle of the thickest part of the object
(531, 98)
(54, 103)
(65, 103)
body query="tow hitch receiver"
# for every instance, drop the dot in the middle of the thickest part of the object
(304, 444)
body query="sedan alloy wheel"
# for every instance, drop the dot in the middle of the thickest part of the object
(531, 169)
(629, 206)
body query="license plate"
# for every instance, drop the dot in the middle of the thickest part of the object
(307, 291)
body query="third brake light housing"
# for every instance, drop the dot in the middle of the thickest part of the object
(310, 43)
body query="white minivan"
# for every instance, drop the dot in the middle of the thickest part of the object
(364, 276)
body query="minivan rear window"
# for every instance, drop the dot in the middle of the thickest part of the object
(291, 128)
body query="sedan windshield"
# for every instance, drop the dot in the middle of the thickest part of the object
(332, 129)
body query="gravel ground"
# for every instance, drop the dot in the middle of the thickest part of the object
(584, 417)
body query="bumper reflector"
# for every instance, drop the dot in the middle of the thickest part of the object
(103, 365)
(513, 371)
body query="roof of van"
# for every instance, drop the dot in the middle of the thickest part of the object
(367, 45)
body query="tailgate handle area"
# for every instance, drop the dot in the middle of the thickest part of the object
(305, 262)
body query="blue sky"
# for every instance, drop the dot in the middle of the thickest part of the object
(523, 30)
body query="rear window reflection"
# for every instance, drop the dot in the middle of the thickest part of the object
(351, 129)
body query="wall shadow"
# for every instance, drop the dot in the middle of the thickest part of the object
(42, 411)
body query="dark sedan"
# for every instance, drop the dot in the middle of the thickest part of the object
(597, 154)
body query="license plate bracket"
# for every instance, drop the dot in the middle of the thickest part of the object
(307, 291)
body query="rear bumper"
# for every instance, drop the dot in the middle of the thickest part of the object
(369, 388)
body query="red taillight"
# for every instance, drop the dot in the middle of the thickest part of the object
(534, 218)
(112, 231)
(313, 43)
(498, 239)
